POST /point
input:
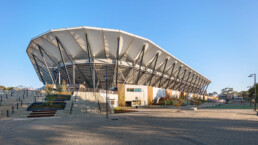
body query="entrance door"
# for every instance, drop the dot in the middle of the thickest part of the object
(128, 104)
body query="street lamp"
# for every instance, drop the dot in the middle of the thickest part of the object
(106, 90)
(254, 75)
(106, 96)
(249, 87)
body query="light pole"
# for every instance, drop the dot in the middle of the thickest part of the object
(254, 75)
(106, 96)
(249, 87)
(102, 68)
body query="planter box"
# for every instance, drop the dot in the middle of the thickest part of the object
(63, 93)
(61, 97)
(42, 106)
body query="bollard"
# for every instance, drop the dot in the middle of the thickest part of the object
(19, 99)
(7, 113)
(17, 105)
(1, 98)
(71, 108)
(21, 102)
(12, 109)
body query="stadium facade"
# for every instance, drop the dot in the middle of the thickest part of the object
(82, 55)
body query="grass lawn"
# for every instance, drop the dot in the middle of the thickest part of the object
(231, 106)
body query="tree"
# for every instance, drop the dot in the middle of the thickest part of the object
(251, 92)
(49, 97)
(178, 102)
(9, 88)
(245, 94)
(197, 101)
(229, 92)
(3, 87)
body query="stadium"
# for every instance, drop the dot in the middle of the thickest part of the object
(100, 58)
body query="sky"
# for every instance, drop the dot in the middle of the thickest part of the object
(217, 38)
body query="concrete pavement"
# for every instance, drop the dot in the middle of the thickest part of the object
(148, 126)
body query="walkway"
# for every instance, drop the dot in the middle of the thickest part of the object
(148, 126)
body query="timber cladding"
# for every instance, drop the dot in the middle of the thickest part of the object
(121, 94)
(169, 92)
(150, 95)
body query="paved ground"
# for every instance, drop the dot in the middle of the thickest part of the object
(148, 126)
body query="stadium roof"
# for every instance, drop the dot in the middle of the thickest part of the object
(104, 45)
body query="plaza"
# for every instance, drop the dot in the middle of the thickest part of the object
(147, 126)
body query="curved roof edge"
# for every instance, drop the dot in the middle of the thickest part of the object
(108, 29)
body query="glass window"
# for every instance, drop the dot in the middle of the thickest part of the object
(137, 90)
(130, 90)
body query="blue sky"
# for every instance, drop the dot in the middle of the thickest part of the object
(218, 38)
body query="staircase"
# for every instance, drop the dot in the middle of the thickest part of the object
(48, 113)
(89, 103)
(44, 113)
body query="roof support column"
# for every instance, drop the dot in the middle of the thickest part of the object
(46, 65)
(187, 80)
(202, 86)
(133, 72)
(59, 43)
(156, 58)
(73, 74)
(188, 86)
(196, 86)
(172, 70)
(177, 77)
(91, 63)
(62, 57)
(166, 61)
(181, 80)
(59, 76)
(117, 58)
(89, 54)
(205, 89)
(142, 55)
(192, 86)
(38, 69)
(44, 52)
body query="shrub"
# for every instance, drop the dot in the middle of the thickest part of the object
(64, 88)
(50, 99)
(178, 102)
(58, 88)
(197, 101)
